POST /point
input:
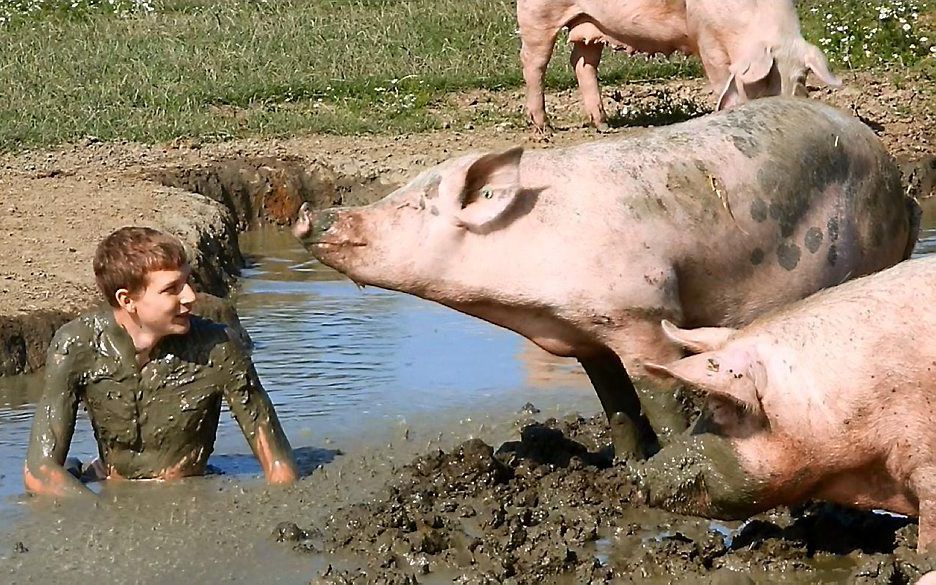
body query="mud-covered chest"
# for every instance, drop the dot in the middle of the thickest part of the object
(132, 406)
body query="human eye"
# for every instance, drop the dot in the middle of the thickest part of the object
(175, 287)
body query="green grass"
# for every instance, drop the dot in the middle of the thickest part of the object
(232, 68)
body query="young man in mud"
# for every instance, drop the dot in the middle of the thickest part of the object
(151, 376)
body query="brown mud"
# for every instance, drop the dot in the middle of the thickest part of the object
(541, 504)
(552, 507)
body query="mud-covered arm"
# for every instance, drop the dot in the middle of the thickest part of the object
(254, 412)
(54, 424)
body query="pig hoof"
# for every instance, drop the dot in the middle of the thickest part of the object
(626, 438)
(603, 128)
(542, 131)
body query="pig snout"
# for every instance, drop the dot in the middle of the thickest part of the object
(310, 226)
(303, 224)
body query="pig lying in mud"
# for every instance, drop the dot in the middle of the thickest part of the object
(584, 250)
(832, 398)
(749, 48)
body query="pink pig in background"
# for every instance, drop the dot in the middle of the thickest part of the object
(832, 398)
(749, 48)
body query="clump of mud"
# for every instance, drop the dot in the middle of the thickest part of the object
(554, 507)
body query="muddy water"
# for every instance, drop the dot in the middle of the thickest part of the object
(364, 382)
(352, 373)
(927, 242)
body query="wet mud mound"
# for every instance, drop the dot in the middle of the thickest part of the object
(554, 507)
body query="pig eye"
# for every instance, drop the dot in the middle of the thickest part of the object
(487, 193)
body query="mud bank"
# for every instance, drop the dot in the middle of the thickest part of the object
(206, 204)
(552, 507)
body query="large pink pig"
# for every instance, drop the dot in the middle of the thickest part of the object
(749, 48)
(584, 249)
(832, 398)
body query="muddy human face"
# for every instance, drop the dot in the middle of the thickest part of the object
(164, 305)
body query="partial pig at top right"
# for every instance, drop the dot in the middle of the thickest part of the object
(749, 48)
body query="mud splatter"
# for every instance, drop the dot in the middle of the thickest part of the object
(833, 229)
(747, 145)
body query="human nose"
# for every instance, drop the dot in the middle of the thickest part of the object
(188, 296)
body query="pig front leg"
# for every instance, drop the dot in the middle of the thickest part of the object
(585, 59)
(644, 341)
(631, 433)
(536, 48)
(701, 475)
(923, 485)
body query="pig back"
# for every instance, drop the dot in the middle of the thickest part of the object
(866, 342)
(752, 207)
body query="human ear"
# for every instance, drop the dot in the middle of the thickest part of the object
(125, 300)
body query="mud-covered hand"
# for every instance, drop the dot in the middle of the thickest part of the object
(254, 412)
(53, 426)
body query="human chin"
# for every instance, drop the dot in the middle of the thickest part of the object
(181, 324)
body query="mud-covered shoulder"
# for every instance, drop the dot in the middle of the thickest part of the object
(78, 335)
(209, 343)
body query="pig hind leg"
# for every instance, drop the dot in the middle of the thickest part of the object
(923, 485)
(630, 430)
(535, 51)
(585, 59)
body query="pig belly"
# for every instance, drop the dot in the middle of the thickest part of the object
(634, 39)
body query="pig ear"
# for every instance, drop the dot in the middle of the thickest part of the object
(751, 67)
(699, 339)
(733, 376)
(815, 61)
(729, 96)
(755, 65)
(490, 187)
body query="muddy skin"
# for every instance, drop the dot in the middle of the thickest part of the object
(630, 430)
(156, 422)
(757, 256)
(554, 508)
(699, 475)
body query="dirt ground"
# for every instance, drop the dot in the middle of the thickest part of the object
(550, 507)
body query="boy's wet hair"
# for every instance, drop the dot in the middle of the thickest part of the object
(124, 258)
